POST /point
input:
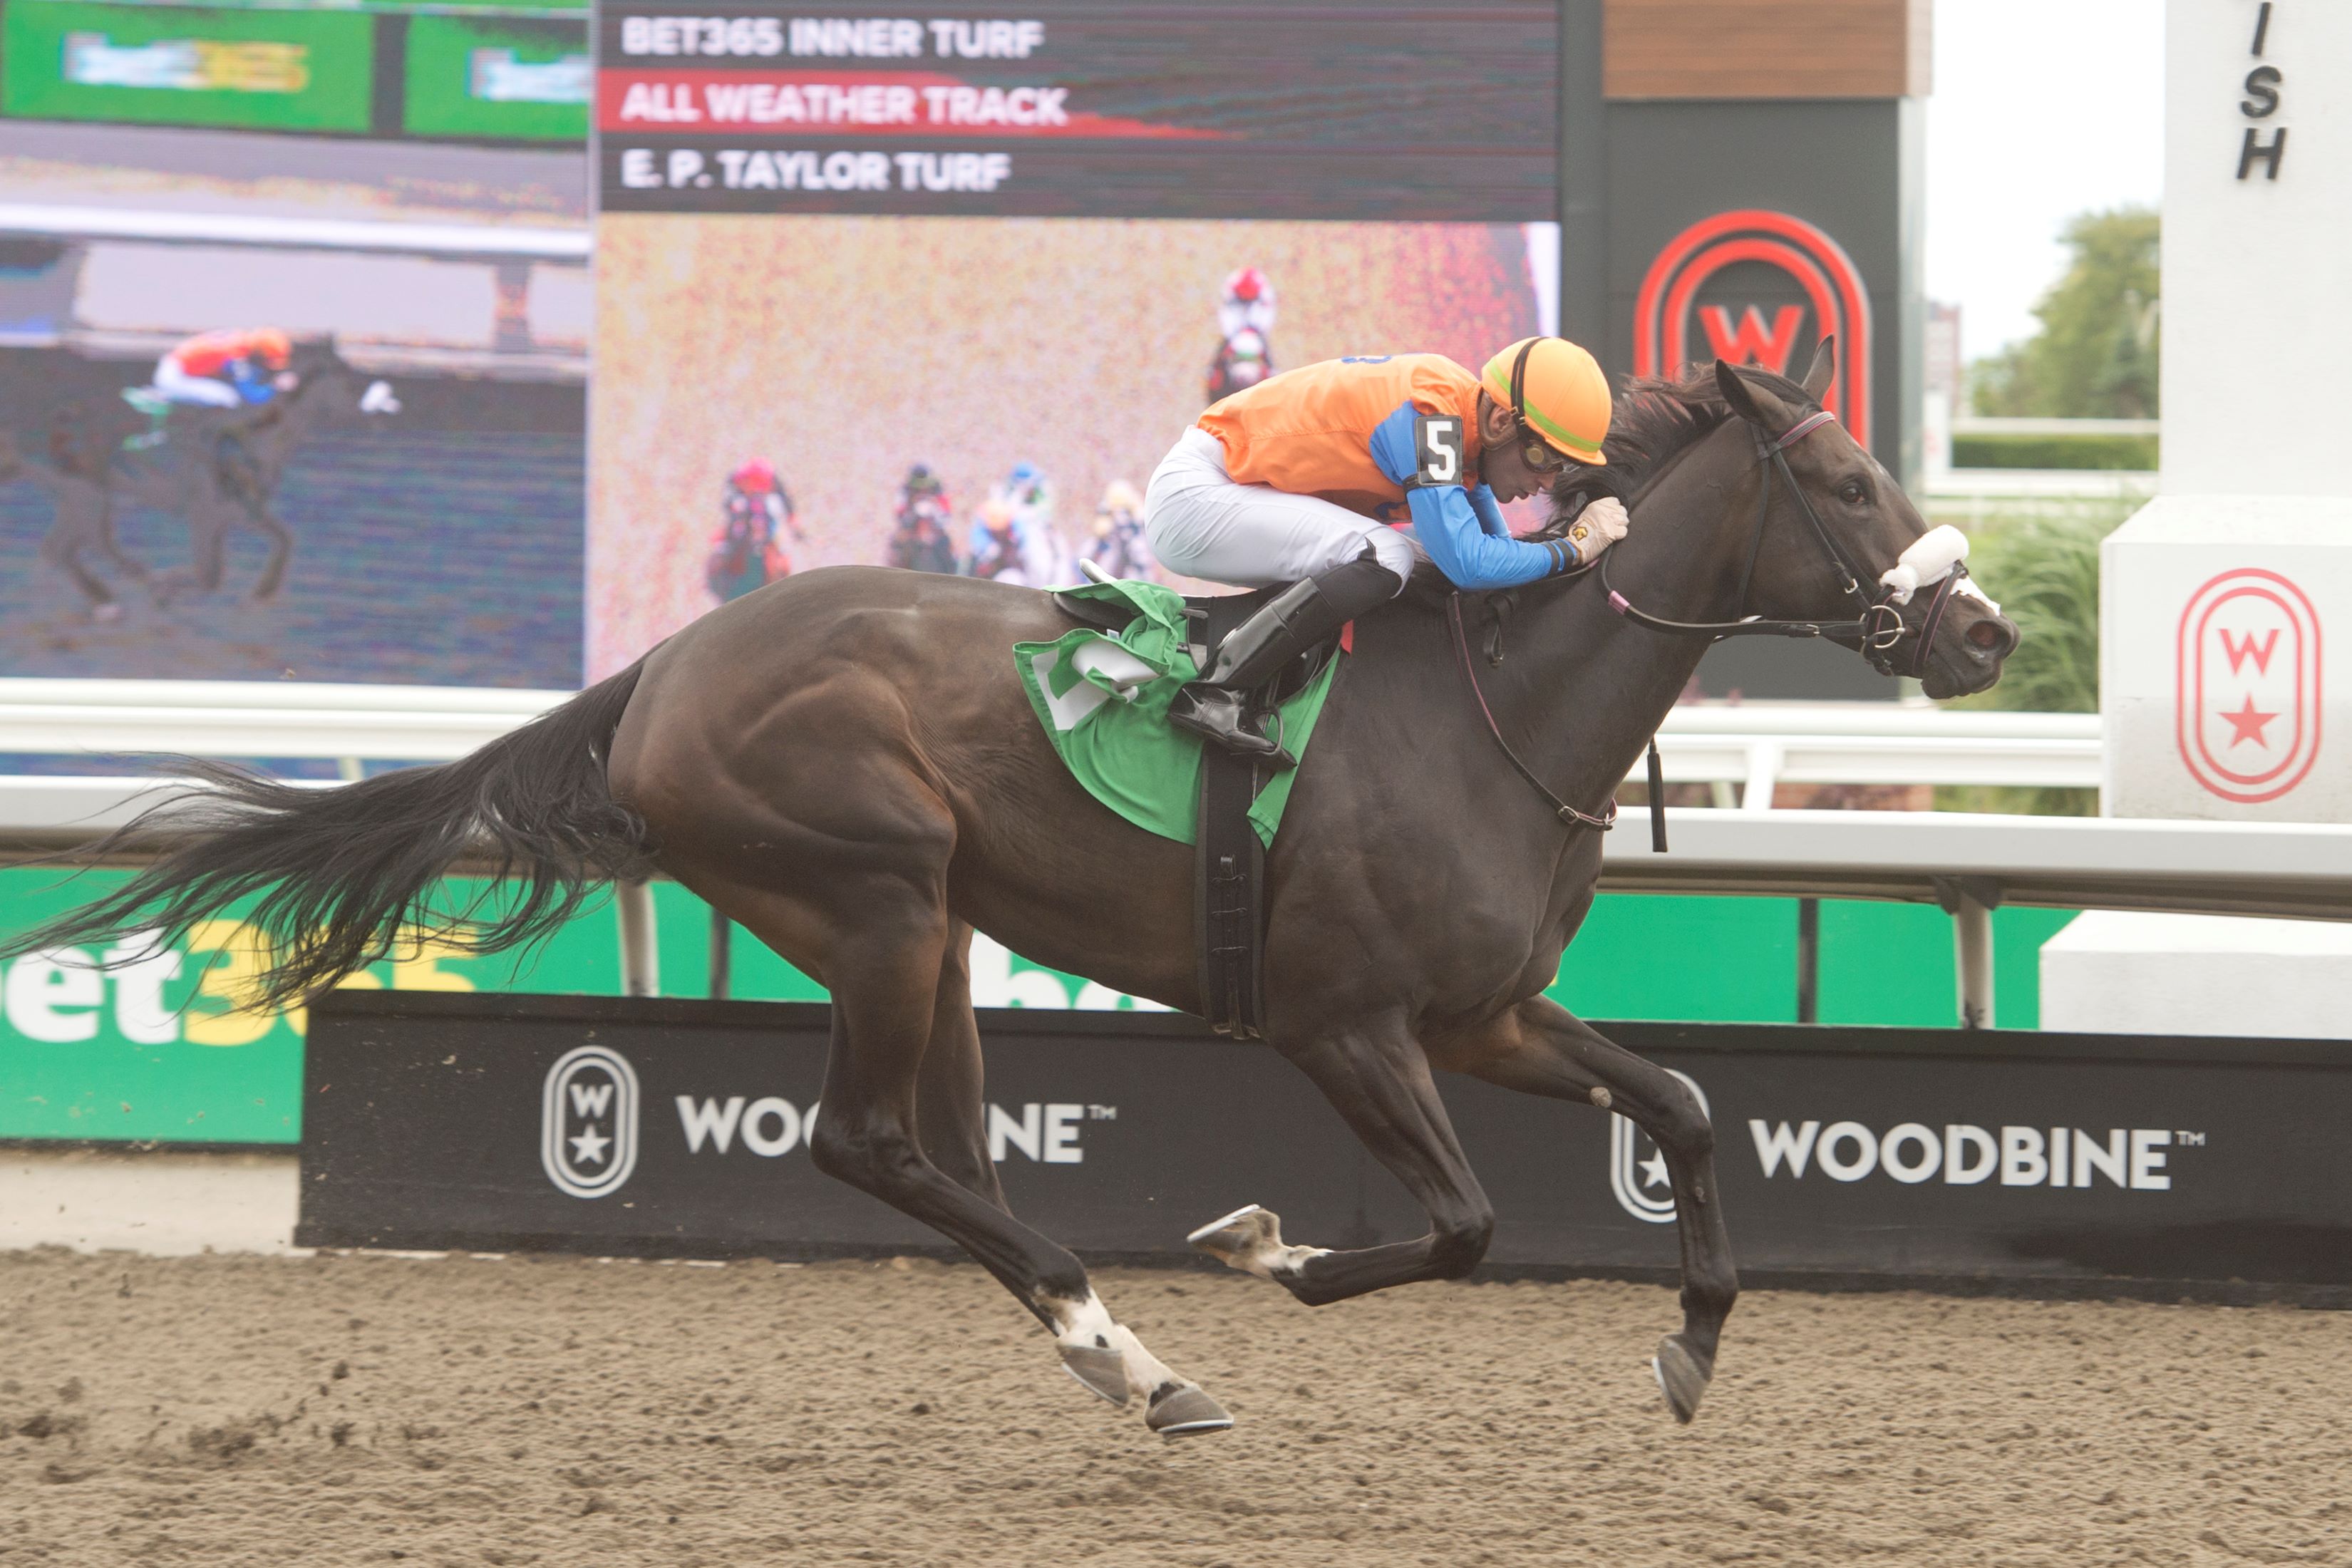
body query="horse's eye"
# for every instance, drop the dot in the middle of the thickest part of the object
(1850, 492)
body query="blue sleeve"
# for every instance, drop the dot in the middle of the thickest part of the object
(1393, 443)
(1463, 530)
(1448, 526)
(1490, 515)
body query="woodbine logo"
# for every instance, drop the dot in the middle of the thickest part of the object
(771, 1126)
(1962, 1155)
(588, 1121)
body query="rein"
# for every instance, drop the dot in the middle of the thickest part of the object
(1561, 808)
(1878, 630)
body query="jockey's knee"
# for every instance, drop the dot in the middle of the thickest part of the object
(1393, 551)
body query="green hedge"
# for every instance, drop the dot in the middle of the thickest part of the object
(2132, 452)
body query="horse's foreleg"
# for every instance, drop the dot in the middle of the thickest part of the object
(281, 549)
(110, 544)
(1543, 1048)
(1375, 1076)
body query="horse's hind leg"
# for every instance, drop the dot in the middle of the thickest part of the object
(1375, 1076)
(1543, 1048)
(62, 550)
(903, 1080)
(82, 518)
(949, 1112)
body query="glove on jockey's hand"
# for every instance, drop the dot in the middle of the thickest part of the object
(1601, 524)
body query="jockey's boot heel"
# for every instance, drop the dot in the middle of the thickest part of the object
(1253, 653)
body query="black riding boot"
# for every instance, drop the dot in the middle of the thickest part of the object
(1217, 705)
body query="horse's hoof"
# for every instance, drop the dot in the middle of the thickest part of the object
(1181, 1410)
(1242, 1238)
(1682, 1376)
(1099, 1367)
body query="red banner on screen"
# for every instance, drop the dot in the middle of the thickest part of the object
(852, 103)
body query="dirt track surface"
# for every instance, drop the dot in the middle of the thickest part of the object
(347, 1410)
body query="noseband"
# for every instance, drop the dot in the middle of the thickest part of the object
(1878, 630)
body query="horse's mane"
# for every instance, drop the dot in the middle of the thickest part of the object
(1657, 419)
(316, 357)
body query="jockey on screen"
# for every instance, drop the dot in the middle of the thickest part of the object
(748, 552)
(919, 537)
(1116, 545)
(1295, 479)
(1000, 545)
(1246, 317)
(227, 369)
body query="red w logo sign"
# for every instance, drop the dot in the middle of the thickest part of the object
(1668, 315)
(2248, 735)
(1750, 343)
(2238, 652)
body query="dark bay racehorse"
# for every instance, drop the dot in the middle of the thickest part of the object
(218, 468)
(75, 471)
(846, 764)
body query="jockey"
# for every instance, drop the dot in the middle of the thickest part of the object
(1000, 543)
(919, 538)
(1294, 479)
(747, 551)
(1116, 545)
(227, 369)
(1245, 316)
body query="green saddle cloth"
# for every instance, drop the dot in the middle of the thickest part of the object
(1103, 700)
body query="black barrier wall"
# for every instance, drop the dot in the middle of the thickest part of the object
(630, 1125)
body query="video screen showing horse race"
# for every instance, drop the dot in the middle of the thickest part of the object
(1370, 783)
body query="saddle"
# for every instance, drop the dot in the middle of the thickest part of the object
(1228, 862)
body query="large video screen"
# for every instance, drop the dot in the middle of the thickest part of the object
(941, 292)
(285, 395)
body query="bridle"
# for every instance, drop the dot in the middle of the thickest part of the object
(1877, 632)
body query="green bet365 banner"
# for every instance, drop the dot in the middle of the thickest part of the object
(180, 64)
(126, 1044)
(121, 1044)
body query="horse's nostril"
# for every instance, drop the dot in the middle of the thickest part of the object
(1994, 635)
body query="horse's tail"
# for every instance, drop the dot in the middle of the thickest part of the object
(344, 873)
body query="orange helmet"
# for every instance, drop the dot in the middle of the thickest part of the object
(1558, 389)
(273, 347)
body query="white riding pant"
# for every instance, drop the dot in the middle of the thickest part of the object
(1203, 523)
(178, 386)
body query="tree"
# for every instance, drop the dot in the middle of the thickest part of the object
(2094, 356)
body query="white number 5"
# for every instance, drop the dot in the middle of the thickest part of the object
(1437, 441)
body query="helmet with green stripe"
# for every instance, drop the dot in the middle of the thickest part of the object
(1557, 390)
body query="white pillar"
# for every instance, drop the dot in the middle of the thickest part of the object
(1972, 963)
(640, 944)
(2226, 602)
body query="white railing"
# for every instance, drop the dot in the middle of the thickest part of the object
(351, 724)
(1992, 425)
(1968, 864)
(1758, 746)
(537, 242)
(1750, 746)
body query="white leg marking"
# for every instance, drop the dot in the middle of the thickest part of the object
(1250, 1239)
(1090, 1333)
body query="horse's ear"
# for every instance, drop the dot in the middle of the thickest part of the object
(1737, 393)
(1824, 368)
